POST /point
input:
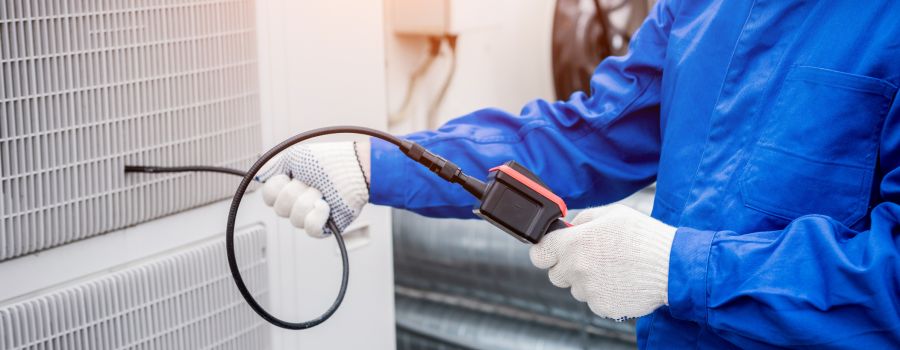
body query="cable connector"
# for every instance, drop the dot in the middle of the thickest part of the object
(437, 164)
(445, 169)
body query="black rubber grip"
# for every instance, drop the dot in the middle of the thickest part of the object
(557, 225)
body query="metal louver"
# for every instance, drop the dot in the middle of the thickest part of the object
(183, 300)
(90, 86)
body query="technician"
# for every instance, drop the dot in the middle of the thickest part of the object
(772, 131)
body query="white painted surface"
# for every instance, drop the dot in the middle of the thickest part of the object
(439, 17)
(151, 304)
(96, 255)
(503, 65)
(321, 64)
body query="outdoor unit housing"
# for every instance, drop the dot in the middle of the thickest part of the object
(89, 87)
(182, 300)
(93, 258)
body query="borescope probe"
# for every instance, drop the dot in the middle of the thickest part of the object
(513, 199)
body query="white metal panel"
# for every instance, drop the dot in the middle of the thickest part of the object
(90, 86)
(97, 255)
(503, 65)
(444, 17)
(182, 300)
(322, 63)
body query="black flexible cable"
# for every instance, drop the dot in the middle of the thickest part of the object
(438, 165)
(345, 273)
(181, 169)
(236, 203)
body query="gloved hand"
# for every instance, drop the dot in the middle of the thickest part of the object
(306, 183)
(613, 257)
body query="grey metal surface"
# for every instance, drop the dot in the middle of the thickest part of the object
(473, 259)
(428, 325)
(182, 300)
(90, 86)
(473, 269)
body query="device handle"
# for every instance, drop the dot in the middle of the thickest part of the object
(558, 224)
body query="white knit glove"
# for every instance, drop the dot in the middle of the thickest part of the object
(613, 257)
(306, 183)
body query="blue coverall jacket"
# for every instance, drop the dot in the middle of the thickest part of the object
(772, 131)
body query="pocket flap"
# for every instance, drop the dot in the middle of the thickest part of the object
(789, 186)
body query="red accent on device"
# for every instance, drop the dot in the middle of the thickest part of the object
(532, 185)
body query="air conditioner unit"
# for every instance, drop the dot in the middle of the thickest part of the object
(90, 86)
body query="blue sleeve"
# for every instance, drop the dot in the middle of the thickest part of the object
(589, 149)
(816, 283)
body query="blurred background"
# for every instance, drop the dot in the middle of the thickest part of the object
(92, 258)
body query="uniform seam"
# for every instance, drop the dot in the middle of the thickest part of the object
(884, 92)
(600, 124)
(520, 135)
(773, 147)
(706, 289)
(479, 140)
(709, 125)
(885, 85)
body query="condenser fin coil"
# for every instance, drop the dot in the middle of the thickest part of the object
(90, 86)
(182, 300)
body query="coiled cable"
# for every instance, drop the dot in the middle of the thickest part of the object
(443, 168)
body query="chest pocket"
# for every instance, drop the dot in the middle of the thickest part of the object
(818, 147)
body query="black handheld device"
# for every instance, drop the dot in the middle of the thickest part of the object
(513, 198)
(518, 202)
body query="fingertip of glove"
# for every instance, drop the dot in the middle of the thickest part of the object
(558, 277)
(542, 256)
(316, 219)
(272, 187)
(303, 204)
(578, 293)
(287, 196)
(315, 231)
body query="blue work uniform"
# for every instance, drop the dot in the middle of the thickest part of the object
(772, 131)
